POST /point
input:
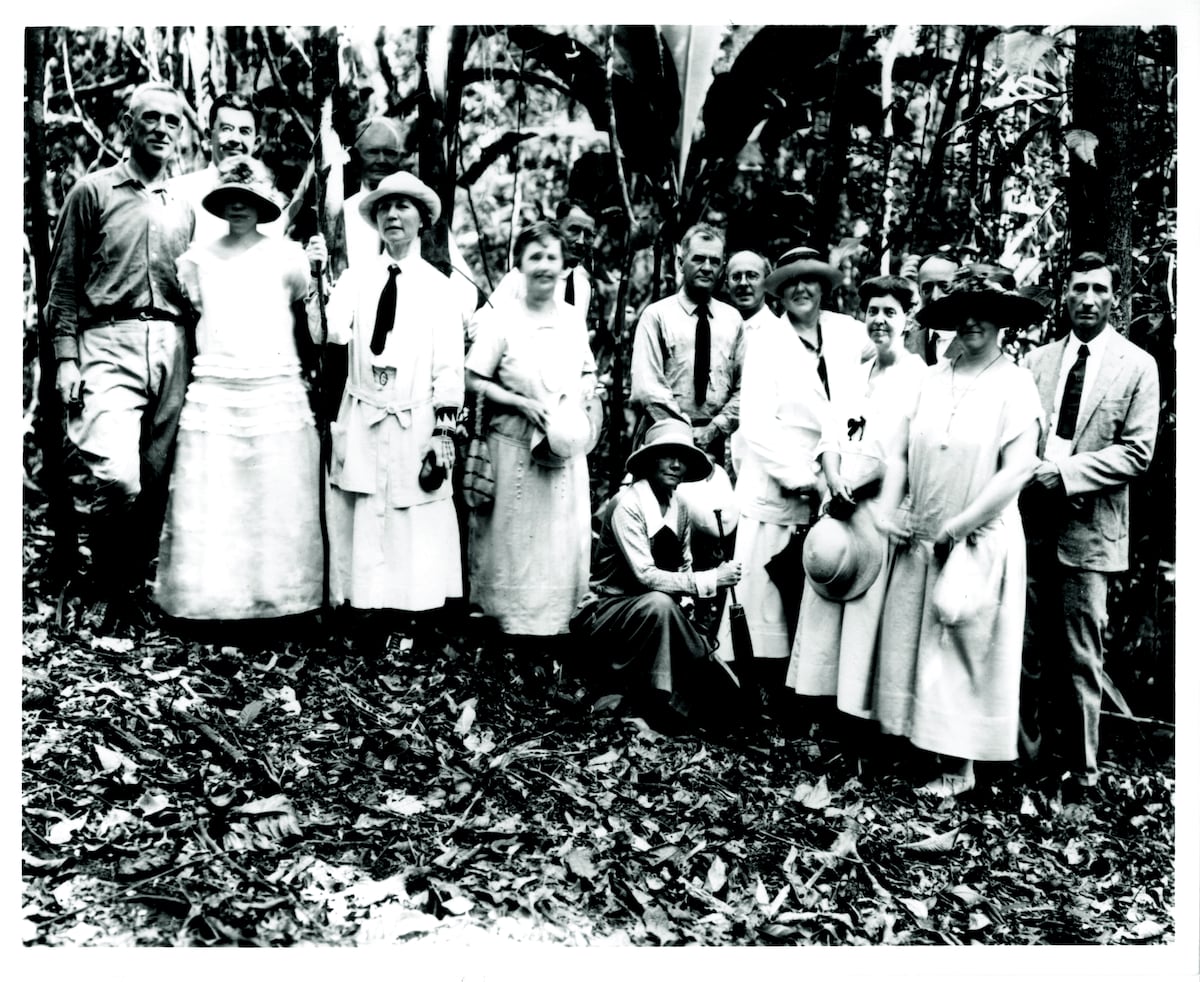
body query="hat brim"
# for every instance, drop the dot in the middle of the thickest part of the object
(697, 465)
(215, 201)
(871, 548)
(1005, 309)
(411, 187)
(784, 275)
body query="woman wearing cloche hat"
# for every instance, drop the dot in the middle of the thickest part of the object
(243, 541)
(632, 618)
(967, 445)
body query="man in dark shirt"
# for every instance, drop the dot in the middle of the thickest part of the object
(117, 314)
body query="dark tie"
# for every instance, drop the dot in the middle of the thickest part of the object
(569, 292)
(1068, 413)
(823, 373)
(703, 353)
(930, 348)
(385, 313)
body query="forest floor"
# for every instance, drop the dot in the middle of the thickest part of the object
(180, 792)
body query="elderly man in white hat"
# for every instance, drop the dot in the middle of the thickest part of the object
(643, 567)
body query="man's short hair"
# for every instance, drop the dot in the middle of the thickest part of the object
(701, 230)
(234, 100)
(568, 205)
(387, 122)
(1085, 262)
(146, 88)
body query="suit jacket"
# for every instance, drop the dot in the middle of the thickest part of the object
(1114, 443)
(916, 340)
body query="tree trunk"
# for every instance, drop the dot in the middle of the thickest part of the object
(49, 432)
(837, 164)
(1101, 195)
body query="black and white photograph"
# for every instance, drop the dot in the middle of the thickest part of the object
(513, 488)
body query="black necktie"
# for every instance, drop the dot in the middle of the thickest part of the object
(385, 313)
(1068, 413)
(703, 353)
(569, 292)
(930, 348)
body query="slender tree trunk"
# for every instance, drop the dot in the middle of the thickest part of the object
(1102, 102)
(837, 164)
(49, 431)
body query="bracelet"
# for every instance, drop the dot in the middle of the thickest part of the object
(442, 430)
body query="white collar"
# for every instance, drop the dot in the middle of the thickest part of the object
(652, 512)
(1096, 346)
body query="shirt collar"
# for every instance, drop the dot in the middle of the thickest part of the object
(1096, 346)
(689, 305)
(655, 519)
(123, 174)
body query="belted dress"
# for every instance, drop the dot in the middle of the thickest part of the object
(392, 544)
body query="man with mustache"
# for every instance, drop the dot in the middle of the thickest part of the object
(233, 129)
(116, 313)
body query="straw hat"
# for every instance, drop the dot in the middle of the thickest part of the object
(842, 557)
(243, 177)
(404, 184)
(703, 498)
(982, 290)
(571, 429)
(802, 261)
(675, 436)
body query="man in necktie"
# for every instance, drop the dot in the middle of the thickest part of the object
(687, 349)
(933, 277)
(1100, 397)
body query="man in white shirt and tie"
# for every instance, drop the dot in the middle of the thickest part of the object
(1099, 394)
(933, 278)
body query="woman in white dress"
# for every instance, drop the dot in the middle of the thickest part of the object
(949, 675)
(834, 650)
(242, 536)
(393, 530)
(529, 557)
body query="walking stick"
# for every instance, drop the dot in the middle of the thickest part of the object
(739, 629)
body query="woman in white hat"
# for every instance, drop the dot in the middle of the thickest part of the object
(949, 674)
(834, 650)
(795, 368)
(393, 530)
(530, 361)
(242, 536)
(632, 617)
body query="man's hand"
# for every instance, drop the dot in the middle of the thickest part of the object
(704, 436)
(68, 381)
(316, 252)
(1048, 476)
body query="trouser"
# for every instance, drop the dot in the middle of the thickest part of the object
(134, 379)
(1063, 664)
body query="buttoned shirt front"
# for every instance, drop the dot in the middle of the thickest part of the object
(114, 255)
(1059, 448)
(662, 371)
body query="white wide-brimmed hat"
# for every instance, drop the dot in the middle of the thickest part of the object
(842, 557)
(406, 185)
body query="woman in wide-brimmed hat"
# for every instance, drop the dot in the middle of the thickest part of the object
(632, 619)
(393, 529)
(967, 445)
(531, 363)
(242, 536)
(795, 369)
(834, 650)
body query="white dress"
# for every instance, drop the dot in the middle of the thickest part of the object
(392, 544)
(834, 652)
(242, 535)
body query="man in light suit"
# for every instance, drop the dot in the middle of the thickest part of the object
(1100, 396)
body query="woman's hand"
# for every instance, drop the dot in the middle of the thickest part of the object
(317, 253)
(533, 411)
(886, 522)
(443, 451)
(944, 541)
(729, 573)
(838, 488)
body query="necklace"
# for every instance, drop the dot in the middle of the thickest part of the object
(958, 399)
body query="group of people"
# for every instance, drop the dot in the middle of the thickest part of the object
(924, 528)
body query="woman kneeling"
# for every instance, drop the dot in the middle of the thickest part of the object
(633, 617)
